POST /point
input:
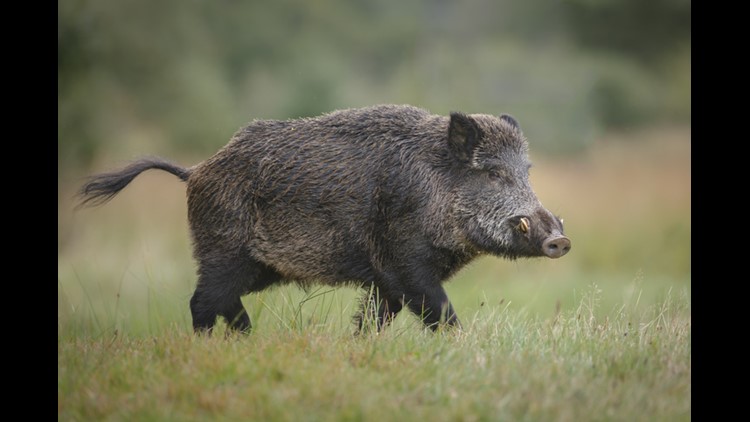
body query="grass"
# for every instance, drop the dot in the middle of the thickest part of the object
(631, 364)
(601, 334)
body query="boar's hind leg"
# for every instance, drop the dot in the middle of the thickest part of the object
(378, 308)
(221, 284)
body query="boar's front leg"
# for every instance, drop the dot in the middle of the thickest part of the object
(418, 288)
(378, 307)
(432, 305)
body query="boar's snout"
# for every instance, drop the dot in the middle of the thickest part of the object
(556, 246)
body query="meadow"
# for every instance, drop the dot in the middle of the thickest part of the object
(603, 333)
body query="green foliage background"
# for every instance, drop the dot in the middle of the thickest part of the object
(179, 77)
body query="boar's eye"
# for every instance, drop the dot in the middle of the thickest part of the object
(498, 174)
(523, 225)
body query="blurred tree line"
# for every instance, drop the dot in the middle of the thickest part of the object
(181, 76)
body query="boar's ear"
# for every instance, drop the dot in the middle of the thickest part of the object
(507, 118)
(463, 136)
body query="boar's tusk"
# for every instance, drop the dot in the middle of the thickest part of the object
(524, 225)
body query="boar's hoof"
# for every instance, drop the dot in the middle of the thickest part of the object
(555, 247)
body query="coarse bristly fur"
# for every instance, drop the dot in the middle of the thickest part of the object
(390, 198)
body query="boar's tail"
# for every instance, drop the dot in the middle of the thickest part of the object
(102, 187)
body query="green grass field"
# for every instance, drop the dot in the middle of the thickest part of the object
(603, 333)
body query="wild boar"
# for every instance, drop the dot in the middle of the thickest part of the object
(390, 198)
